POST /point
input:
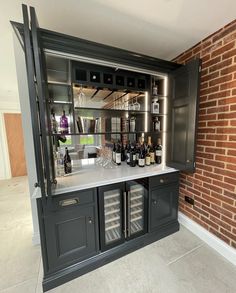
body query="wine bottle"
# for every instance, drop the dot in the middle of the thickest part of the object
(148, 158)
(132, 157)
(158, 152)
(114, 153)
(152, 154)
(67, 162)
(123, 155)
(128, 155)
(141, 160)
(118, 155)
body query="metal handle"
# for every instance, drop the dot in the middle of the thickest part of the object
(125, 219)
(68, 202)
(162, 180)
(188, 161)
(154, 201)
(129, 214)
(90, 221)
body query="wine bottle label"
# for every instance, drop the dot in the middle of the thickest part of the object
(141, 162)
(118, 158)
(128, 157)
(134, 157)
(148, 161)
(152, 158)
(113, 156)
(158, 153)
(137, 156)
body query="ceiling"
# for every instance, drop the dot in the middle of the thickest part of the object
(160, 28)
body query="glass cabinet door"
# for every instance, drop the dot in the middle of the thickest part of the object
(136, 207)
(111, 215)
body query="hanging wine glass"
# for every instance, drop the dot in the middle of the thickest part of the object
(136, 105)
(80, 97)
(131, 106)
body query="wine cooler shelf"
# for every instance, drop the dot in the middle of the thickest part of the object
(113, 235)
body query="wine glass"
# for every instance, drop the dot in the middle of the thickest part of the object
(81, 97)
(131, 106)
(136, 105)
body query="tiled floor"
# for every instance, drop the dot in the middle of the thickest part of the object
(178, 263)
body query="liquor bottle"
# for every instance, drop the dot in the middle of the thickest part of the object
(158, 152)
(54, 124)
(123, 155)
(114, 153)
(67, 162)
(118, 155)
(156, 124)
(148, 158)
(155, 109)
(64, 126)
(141, 160)
(132, 157)
(154, 89)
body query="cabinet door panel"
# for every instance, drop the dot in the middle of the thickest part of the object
(183, 107)
(163, 205)
(70, 236)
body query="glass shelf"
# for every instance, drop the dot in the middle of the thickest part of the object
(107, 132)
(83, 109)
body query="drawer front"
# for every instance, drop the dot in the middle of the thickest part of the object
(163, 179)
(70, 200)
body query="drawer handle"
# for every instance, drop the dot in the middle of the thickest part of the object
(162, 180)
(68, 202)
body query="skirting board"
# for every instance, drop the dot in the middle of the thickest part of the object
(220, 246)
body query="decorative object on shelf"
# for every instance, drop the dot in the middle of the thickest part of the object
(64, 125)
(79, 125)
(155, 106)
(156, 124)
(132, 124)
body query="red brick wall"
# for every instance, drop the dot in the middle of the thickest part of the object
(213, 185)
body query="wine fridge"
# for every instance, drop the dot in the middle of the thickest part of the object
(122, 212)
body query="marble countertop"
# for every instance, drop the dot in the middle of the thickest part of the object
(88, 175)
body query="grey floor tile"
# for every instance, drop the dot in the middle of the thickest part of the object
(176, 245)
(28, 286)
(205, 271)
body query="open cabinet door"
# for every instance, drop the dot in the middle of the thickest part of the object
(33, 103)
(43, 100)
(183, 108)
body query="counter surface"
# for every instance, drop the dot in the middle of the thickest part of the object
(88, 175)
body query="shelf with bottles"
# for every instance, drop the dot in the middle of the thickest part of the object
(61, 120)
(109, 132)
